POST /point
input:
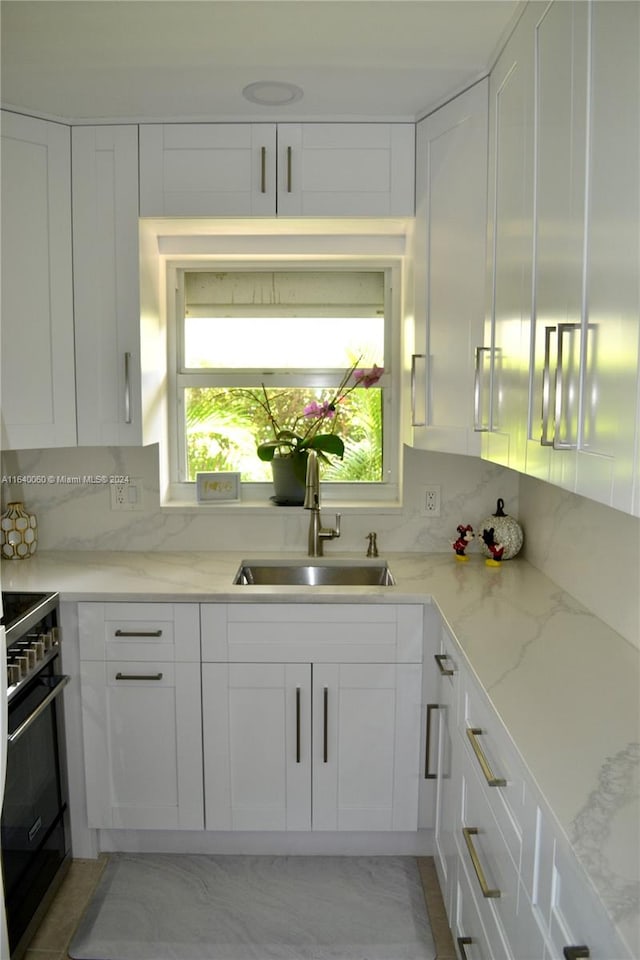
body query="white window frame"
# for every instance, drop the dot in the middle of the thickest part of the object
(257, 494)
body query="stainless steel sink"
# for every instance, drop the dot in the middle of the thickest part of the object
(314, 573)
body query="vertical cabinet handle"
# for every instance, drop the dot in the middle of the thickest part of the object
(297, 724)
(288, 169)
(546, 387)
(444, 671)
(468, 833)
(427, 750)
(325, 725)
(263, 169)
(571, 442)
(576, 953)
(417, 419)
(479, 424)
(127, 388)
(462, 943)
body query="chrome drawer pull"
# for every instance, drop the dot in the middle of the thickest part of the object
(427, 750)
(138, 633)
(472, 733)
(468, 833)
(444, 671)
(138, 676)
(462, 943)
(576, 953)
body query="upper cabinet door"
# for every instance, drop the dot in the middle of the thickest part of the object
(449, 270)
(561, 52)
(106, 285)
(345, 169)
(38, 382)
(612, 315)
(510, 238)
(207, 169)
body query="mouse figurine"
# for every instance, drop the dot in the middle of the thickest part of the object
(465, 536)
(495, 549)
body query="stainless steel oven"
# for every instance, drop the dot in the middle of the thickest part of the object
(35, 836)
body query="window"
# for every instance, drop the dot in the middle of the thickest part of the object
(248, 339)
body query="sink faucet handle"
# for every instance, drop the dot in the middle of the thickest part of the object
(372, 549)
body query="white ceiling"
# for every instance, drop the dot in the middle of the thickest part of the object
(190, 59)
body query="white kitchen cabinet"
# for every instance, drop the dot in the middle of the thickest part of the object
(106, 284)
(345, 169)
(503, 383)
(318, 169)
(449, 271)
(311, 716)
(291, 746)
(561, 51)
(38, 378)
(514, 889)
(141, 713)
(207, 169)
(611, 325)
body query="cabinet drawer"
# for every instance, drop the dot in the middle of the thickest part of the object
(469, 932)
(500, 769)
(577, 915)
(139, 631)
(487, 860)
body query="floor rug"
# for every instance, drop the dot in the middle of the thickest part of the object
(182, 907)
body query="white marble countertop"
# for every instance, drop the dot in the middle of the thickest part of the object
(566, 685)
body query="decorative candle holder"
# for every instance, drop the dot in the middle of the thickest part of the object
(18, 532)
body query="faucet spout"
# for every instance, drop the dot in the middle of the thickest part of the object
(317, 533)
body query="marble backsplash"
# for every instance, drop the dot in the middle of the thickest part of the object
(79, 516)
(591, 551)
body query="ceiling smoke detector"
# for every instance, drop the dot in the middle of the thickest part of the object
(272, 93)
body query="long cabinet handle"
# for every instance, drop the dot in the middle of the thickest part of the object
(138, 633)
(572, 442)
(263, 169)
(416, 421)
(427, 749)
(127, 388)
(546, 387)
(444, 671)
(468, 833)
(61, 683)
(478, 424)
(297, 724)
(473, 733)
(325, 725)
(289, 181)
(576, 953)
(138, 676)
(462, 943)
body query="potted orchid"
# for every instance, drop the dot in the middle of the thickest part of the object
(314, 429)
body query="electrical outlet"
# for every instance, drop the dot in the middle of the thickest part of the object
(126, 495)
(431, 500)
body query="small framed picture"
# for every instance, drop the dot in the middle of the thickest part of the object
(217, 486)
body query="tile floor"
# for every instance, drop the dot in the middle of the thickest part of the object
(59, 924)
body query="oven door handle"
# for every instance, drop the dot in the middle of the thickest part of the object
(42, 706)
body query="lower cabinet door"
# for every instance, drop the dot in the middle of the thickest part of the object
(143, 744)
(296, 746)
(257, 746)
(366, 743)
